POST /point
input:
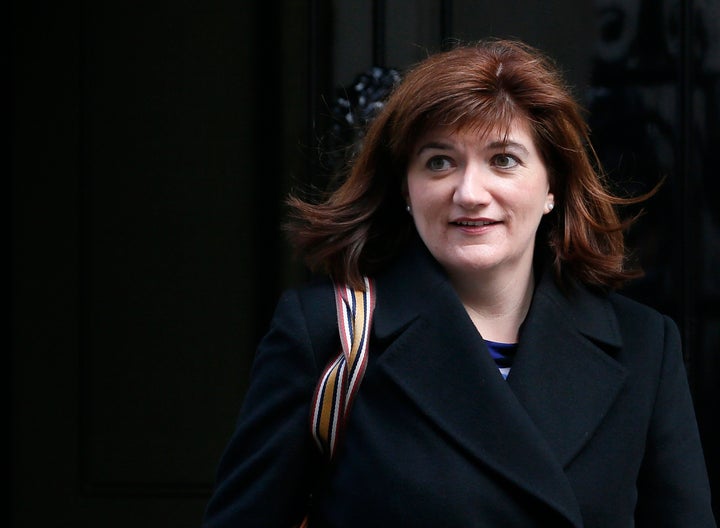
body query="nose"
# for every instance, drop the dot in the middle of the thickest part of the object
(471, 189)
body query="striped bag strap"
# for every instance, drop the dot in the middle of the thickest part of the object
(336, 388)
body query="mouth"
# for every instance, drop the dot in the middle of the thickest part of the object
(474, 223)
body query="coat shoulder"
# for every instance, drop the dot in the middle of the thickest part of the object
(641, 317)
(624, 304)
(316, 302)
(650, 338)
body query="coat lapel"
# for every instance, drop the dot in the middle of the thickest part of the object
(436, 356)
(564, 374)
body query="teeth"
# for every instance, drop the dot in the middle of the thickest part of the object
(474, 223)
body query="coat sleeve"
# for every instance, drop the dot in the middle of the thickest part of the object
(267, 470)
(673, 488)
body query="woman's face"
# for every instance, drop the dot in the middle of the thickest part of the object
(477, 201)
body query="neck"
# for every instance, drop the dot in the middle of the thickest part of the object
(497, 305)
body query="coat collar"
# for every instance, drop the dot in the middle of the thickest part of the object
(562, 383)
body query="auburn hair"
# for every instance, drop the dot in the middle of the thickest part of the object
(361, 225)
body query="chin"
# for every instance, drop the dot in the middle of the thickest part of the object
(471, 265)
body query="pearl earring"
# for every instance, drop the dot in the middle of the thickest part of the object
(408, 209)
(550, 206)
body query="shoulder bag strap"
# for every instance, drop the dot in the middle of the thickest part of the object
(340, 381)
(336, 388)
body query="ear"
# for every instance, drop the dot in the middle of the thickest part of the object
(549, 203)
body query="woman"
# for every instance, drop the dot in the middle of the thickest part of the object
(507, 385)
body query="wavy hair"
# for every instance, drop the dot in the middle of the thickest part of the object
(361, 225)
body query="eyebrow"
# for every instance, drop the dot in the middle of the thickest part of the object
(511, 145)
(434, 145)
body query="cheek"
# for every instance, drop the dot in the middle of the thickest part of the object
(427, 204)
(413, 188)
(416, 195)
(527, 205)
(428, 191)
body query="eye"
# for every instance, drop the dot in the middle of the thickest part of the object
(438, 163)
(505, 161)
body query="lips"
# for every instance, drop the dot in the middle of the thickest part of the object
(474, 223)
(471, 223)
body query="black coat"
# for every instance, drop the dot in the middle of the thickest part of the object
(594, 426)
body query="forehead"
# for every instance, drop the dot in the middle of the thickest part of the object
(517, 131)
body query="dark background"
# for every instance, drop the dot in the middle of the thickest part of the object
(151, 146)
